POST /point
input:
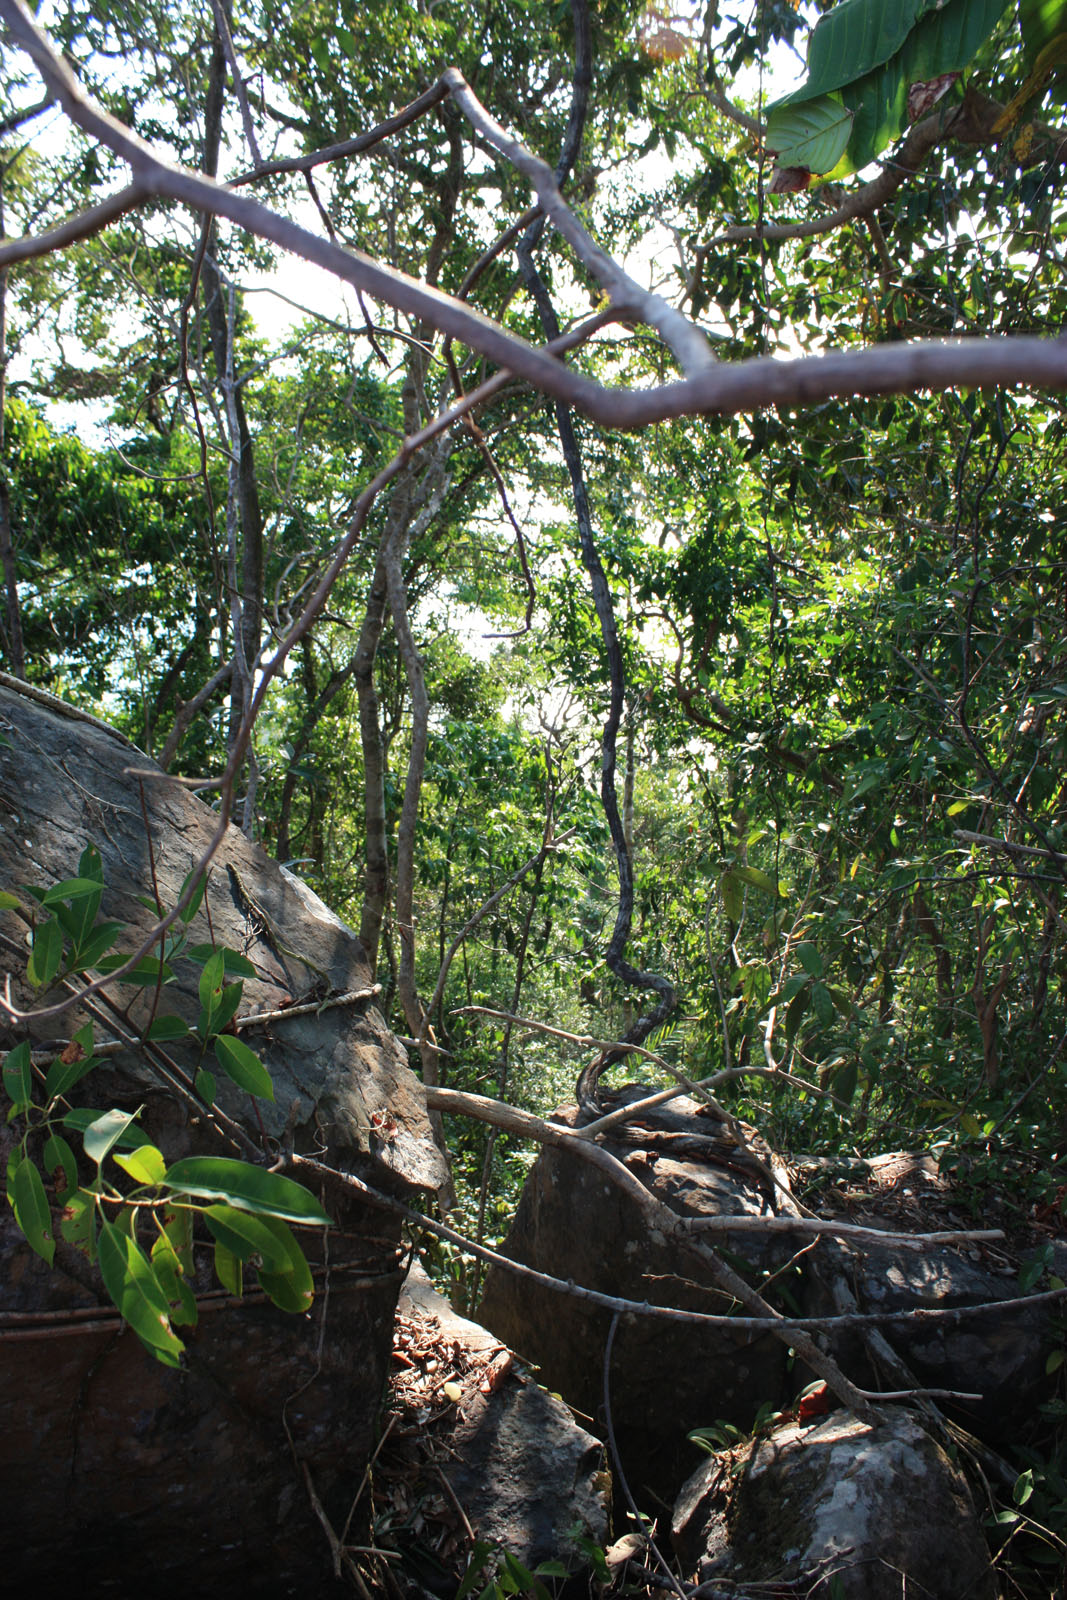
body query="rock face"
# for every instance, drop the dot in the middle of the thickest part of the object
(526, 1475)
(998, 1356)
(667, 1378)
(111, 1466)
(840, 1509)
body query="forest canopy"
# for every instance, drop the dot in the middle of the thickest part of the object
(658, 517)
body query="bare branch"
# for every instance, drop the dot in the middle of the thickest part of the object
(890, 369)
(842, 1230)
(82, 225)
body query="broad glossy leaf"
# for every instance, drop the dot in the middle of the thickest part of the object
(229, 1270)
(31, 1209)
(205, 1086)
(813, 135)
(72, 889)
(146, 974)
(144, 1165)
(170, 1276)
(94, 945)
(234, 965)
(63, 1074)
(77, 1221)
(167, 1027)
(193, 907)
(1041, 22)
(810, 959)
(292, 1290)
(758, 879)
(212, 978)
(845, 1082)
(247, 1235)
(222, 1010)
(136, 1292)
(18, 1074)
(733, 895)
(47, 953)
(249, 1188)
(8, 901)
(104, 1131)
(60, 1163)
(91, 864)
(795, 1013)
(823, 1003)
(243, 1066)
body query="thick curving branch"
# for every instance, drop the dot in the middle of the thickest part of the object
(1001, 361)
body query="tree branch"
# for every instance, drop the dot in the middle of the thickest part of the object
(881, 370)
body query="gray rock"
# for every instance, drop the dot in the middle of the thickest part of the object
(527, 1476)
(839, 1509)
(999, 1356)
(666, 1378)
(116, 1472)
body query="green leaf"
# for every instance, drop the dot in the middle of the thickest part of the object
(246, 1187)
(234, 965)
(346, 41)
(758, 879)
(1040, 22)
(94, 945)
(63, 1075)
(212, 978)
(72, 889)
(229, 1270)
(795, 1013)
(845, 1082)
(77, 1221)
(243, 1066)
(104, 1131)
(178, 1229)
(91, 865)
(136, 1292)
(60, 1163)
(321, 51)
(810, 959)
(149, 971)
(733, 896)
(167, 1027)
(813, 135)
(193, 907)
(823, 1003)
(18, 1075)
(144, 1165)
(222, 1010)
(30, 1204)
(170, 1276)
(9, 901)
(205, 1086)
(246, 1235)
(47, 953)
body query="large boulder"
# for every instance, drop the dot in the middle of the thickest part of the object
(667, 1378)
(841, 1510)
(116, 1471)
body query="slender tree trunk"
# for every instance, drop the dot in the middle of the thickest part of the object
(16, 652)
(245, 579)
